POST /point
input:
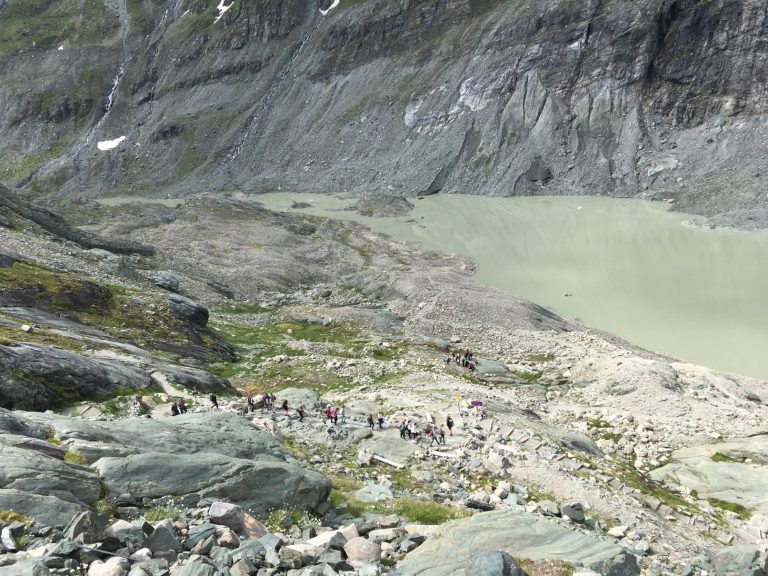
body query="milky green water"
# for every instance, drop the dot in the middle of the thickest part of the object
(630, 267)
(122, 200)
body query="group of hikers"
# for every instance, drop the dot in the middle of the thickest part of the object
(465, 360)
(178, 407)
(410, 430)
(372, 422)
(332, 414)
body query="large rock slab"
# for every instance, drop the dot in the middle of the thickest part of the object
(745, 484)
(519, 534)
(36, 378)
(389, 445)
(254, 485)
(298, 397)
(213, 454)
(221, 432)
(37, 473)
(49, 510)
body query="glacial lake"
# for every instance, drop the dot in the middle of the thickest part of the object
(626, 266)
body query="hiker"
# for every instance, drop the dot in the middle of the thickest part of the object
(174, 409)
(182, 406)
(213, 400)
(413, 431)
(265, 402)
(335, 416)
(195, 392)
(440, 434)
(380, 420)
(403, 429)
(449, 424)
(250, 403)
(433, 437)
(328, 413)
(300, 412)
(285, 407)
(343, 414)
(370, 421)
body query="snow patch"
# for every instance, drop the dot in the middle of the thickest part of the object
(110, 144)
(222, 8)
(60, 48)
(331, 7)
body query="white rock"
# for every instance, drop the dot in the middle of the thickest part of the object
(617, 531)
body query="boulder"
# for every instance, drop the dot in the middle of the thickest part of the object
(86, 527)
(573, 511)
(227, 514)
(166, 280)
(112, 567)
(186, 308)
(258, 485)
(299, 397)
(163, 539)
(198, 534)
(740, 561)
(26, 568)
(493, 563)
(520, 535)
(374, 493)
(361, 550)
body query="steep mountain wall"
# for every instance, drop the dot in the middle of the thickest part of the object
(648, 98)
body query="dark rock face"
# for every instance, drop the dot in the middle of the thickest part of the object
(653, 98)
(36, 378)
(186, 308)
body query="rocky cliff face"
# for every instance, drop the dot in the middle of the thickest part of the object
(651, 98)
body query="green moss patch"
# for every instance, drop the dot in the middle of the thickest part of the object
(43, 24)
(742, 511)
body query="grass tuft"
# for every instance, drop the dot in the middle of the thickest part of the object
(162, 513)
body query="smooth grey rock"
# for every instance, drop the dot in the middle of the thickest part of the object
(198, 534)
(26, 568)
(520, 535)
(573, 511)
(744, 484)
(337, 541)
(374, 493)
(493, 563)
(227, 514)
(166, 280)
(549, 508)
(740, 561)
(298, 397)
(162, 540)
(197, 568)
(7, 540)
(333, 558)
(86, 527)
(65, 548)
(52, 510)
(154, 475)
(250, 549)
(186, 308)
